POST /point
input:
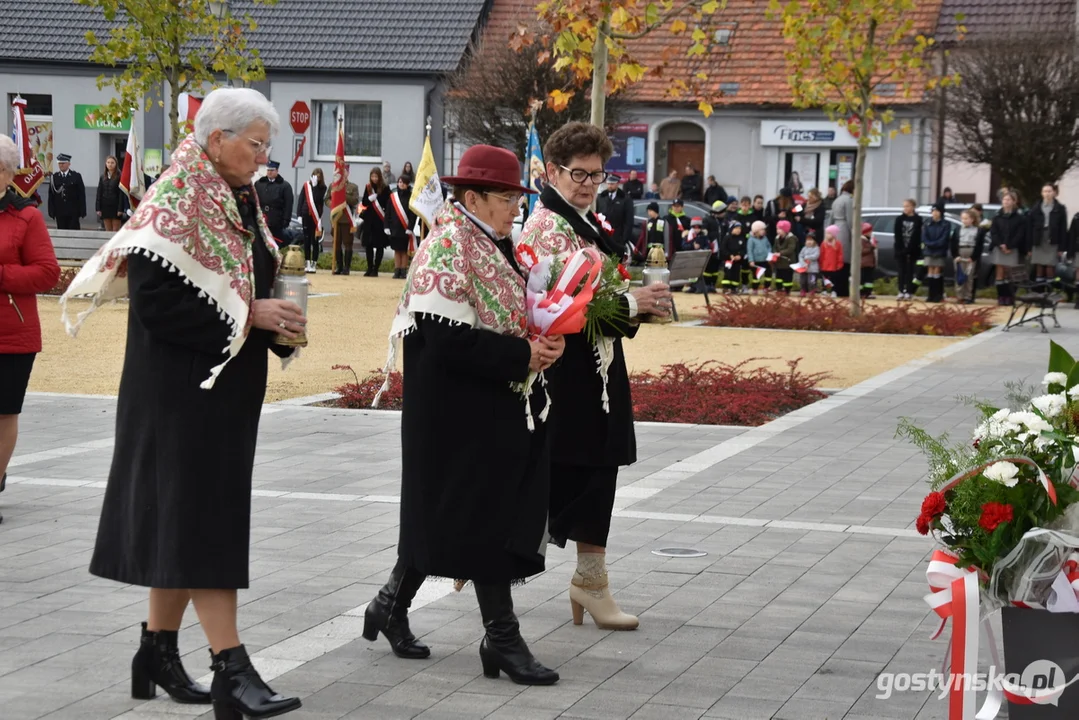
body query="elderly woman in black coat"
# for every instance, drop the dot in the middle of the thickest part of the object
(474, 480)
(177, 511)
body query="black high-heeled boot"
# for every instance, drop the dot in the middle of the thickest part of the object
(388, 613)
(157, 664)
(503, 648)
(3, 484)
(238, 691)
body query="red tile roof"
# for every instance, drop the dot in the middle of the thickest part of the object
(754, 59)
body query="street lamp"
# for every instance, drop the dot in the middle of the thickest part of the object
(218, 8)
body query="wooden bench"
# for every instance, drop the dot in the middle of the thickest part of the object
(687, 267)
(74, 247)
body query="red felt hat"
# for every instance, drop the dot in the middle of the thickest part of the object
(489, 166)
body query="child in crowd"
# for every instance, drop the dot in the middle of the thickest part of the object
(810, 257)
(696, 239)
(653, 232)
(734, 258)
(831, 257)
(869, 260)
(908, 249)
(936, 240)
(967, 246)
(787, 249)
(758, 252)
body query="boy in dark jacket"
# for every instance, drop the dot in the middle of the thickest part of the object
(733, 254)
(654, 232)
(908, 249)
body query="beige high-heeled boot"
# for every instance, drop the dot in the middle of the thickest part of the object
(589, 591)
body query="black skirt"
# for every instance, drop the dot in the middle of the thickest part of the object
(582, 500)
(15, 371)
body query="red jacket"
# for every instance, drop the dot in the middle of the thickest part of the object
(831, 257)
(27, 267)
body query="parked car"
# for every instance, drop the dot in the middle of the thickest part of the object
(883, 221)
(956, 209)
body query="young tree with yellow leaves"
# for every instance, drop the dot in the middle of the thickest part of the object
(851, 57)
(186, 44)
(593, 39)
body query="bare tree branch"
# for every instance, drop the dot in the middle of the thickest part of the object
(489, 98)
(1017, 108)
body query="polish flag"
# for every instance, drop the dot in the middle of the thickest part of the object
(131, 177)
(187, 108)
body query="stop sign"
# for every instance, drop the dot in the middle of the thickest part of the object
(300, 117)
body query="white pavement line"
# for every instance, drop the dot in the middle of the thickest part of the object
(309, 399)
(60, 452)
(684, 469)
(773, 524)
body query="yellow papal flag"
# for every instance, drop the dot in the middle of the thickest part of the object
(427, 195)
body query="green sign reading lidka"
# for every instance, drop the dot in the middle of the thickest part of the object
(92, 117)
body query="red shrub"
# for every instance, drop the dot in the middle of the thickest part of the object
(715, 393)
(359, 395)
(818, 313)
(67, 274)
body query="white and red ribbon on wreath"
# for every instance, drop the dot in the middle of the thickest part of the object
(956, 595)
(560, 310)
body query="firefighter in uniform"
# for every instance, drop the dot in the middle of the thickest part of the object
(67, 196)
(276, 200)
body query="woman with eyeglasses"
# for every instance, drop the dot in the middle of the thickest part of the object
(197, 262)
(474, 480)
(591, 410)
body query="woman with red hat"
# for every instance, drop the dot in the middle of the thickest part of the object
(474, 484)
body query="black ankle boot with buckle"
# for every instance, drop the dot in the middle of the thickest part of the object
(157, 664)
(388, 614)
(502, 648)
(238, 691)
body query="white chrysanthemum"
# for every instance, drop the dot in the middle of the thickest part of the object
(1074, 392)
(1031, 420)
(1005, 473)
(1000, 415)
(1042, 443)
(1050, 405)
(1056, 378)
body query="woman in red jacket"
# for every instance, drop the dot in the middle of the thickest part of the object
(27, 267)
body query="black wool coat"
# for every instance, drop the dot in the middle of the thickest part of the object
(177, 507)
(1058, 225)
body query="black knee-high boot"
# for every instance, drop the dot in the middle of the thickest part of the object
(239, 692)
(502, 648)
(388, 613)
(379, 254)
(370, 253)
(157, 664)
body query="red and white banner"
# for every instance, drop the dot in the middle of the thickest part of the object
(29, 174)
(187, 107)
(338, 201)
(131, 177)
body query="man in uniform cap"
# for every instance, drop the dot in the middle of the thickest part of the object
(67, 195)
(275, 198)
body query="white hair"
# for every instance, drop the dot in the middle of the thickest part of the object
(234, 110)
(9, 154)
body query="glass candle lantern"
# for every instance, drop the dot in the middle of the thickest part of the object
(292, 285)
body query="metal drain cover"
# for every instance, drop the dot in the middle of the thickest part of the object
(677, 552)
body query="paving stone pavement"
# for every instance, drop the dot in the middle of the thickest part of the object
(812, 584)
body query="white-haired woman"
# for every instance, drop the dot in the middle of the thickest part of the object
(27, 267)
(198, 262)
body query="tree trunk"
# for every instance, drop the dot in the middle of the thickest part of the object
(599, 73)
(174, 112)
(856, 224)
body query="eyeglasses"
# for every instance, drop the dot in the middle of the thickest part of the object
(261, 148)
(579, 176)
(510, 199)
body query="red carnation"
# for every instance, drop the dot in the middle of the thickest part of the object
(993, 514)
(178, 183)
(623, 272)
(922, 524)
(446, 242)
(934, 504)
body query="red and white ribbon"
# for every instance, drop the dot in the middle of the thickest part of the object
(760, 272)
(310, 197)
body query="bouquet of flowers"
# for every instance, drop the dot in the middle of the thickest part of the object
(1004, 506)
(565, 295)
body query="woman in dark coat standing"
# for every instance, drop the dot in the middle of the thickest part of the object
(177, 510)
(107, 204)
(591, 410)
(374, 205)
(1009, 241)
(1048, 233)
(401, 220)
(309, 207)
(474, 480)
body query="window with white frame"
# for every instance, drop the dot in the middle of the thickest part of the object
(363, 130)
